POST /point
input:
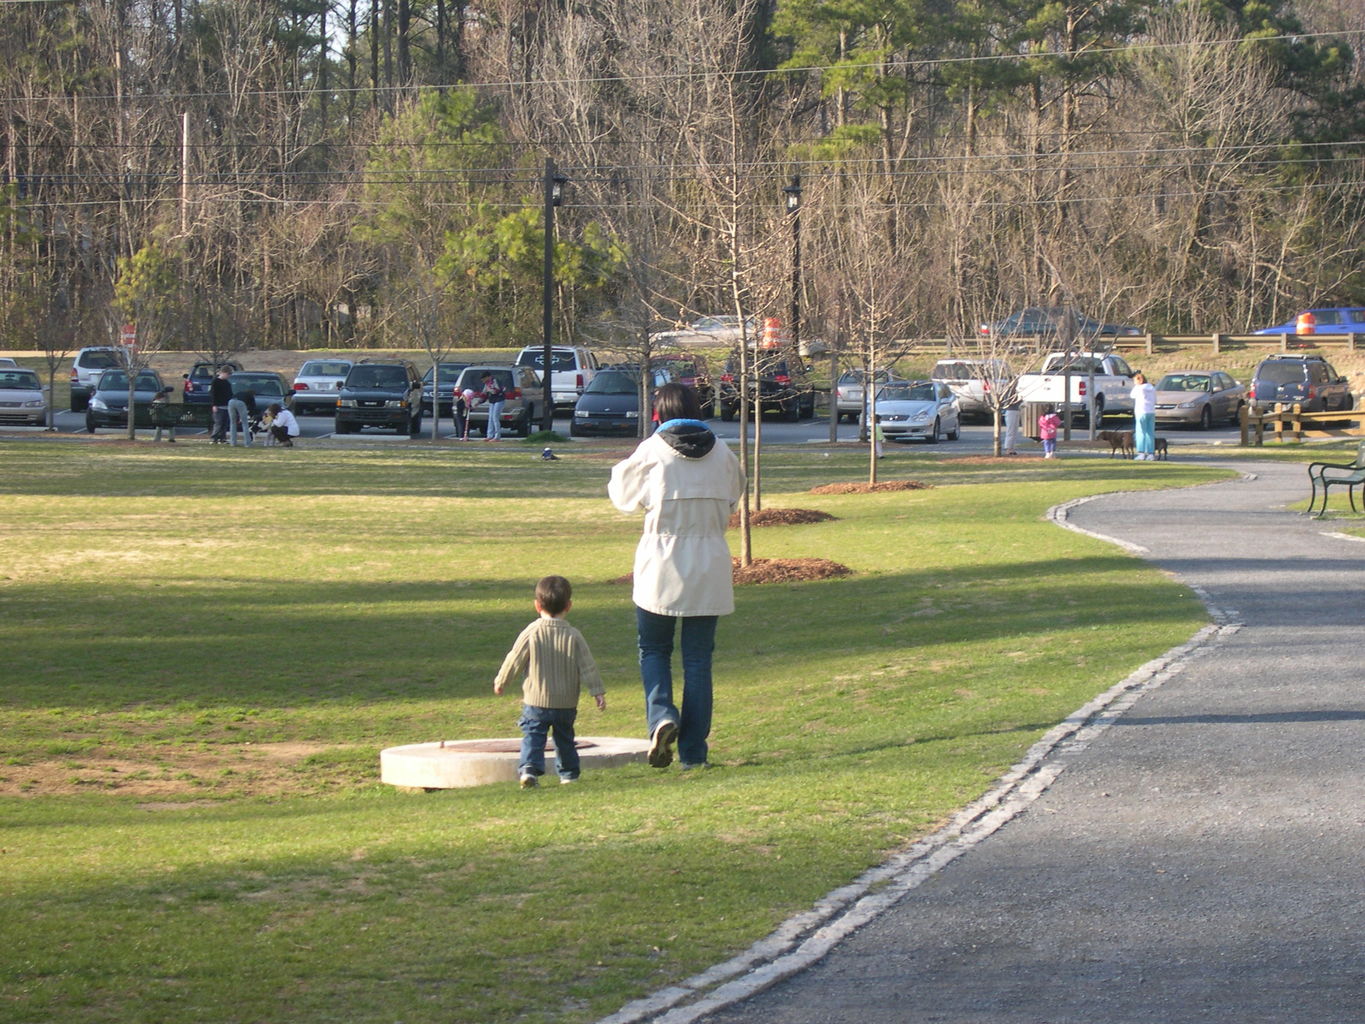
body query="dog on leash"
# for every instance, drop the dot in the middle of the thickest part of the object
(1160, 451)
(1119, 441)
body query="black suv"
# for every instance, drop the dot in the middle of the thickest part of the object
(784, 385)
(380, 393)
(1308, 381)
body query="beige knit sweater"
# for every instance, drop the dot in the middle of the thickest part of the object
(556, 662)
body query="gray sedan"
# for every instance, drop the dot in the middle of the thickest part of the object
(1199, 398)
(924, 409)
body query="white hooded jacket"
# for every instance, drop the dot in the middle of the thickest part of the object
(687, 484)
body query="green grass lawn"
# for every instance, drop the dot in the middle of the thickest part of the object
(206, 649)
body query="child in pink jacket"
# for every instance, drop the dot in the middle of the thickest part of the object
(1047, 431)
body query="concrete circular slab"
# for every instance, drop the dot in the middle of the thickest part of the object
(455, 764)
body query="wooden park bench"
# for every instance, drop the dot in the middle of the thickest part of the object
(1325, 475)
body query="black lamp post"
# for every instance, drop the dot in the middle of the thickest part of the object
(554, 196)
(793, 194)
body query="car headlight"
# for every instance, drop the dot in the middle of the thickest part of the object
(580, 414)
(920, 417)
(99, 403)
(1191, 403)
(345, 403)
(396, 403)
(37, 403)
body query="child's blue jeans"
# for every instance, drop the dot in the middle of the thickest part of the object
(537, 723)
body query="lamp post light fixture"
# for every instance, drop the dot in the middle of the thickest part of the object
(554, 196)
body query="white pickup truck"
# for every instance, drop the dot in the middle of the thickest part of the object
(1106, 373)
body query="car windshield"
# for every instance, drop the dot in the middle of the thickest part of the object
(1184, 382)
(325, 368)
(377, 377)
(923, 391)
(450, 373)
(1338, 316)
(858, 376)
(101, 360)
(613, 382)
(260, 386)
(21, 380)
(1282, 373)
(117, 380)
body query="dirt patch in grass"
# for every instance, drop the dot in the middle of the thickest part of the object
(227, 770)
(856, 488)
(783, 517)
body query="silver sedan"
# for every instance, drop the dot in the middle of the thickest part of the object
(1199, 398)
(918, 409)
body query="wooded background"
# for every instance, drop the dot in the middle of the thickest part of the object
(266, 173)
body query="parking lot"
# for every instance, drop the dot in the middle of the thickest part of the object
(975, 439)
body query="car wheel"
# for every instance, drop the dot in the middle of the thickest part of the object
(727, 412)
(341, 428)
(1099, 411)
(933, 434)
(1237, 414)
(89, 423)
(953, 434)
(1206, 418)
(573, 430)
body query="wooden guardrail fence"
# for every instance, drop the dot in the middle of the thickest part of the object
(1292, 420)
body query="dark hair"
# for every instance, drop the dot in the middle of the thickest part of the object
(676, 401)
(274, 408)
(553, 594)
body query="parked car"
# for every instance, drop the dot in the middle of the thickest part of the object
(109, 402)
(571, 368)
(267, 387)
(449, 374)
(691, 370)
(524, 402)
(611, 403)
(1333, 320)
(7, 361)
(924, 409)
(317, 383)
(1308, 381)
(1049, 321)
(199, 381)
(850, 392)
(22, 399)
(974, 381)
(710, 330)
(784, 385)
(383, 393)
(86, 369)
(1199, 397)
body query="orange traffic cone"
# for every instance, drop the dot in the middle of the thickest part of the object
(1306, 324)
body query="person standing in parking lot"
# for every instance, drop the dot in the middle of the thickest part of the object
(687, 483)
(220, 395)
(495, 395)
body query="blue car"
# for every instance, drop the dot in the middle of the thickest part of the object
(1336, 320)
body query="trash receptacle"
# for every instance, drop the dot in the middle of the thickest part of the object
(1029, 416)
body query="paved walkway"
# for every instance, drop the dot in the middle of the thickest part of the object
(1199, 856)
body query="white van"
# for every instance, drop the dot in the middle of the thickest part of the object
(571, 366)
(973, 381)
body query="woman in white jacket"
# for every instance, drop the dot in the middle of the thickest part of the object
(687, 483)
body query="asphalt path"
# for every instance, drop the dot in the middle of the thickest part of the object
(1188, 848)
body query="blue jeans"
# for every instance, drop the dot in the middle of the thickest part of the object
(536, 724)
(656, 672)
(239, 418)
(494, 428)
(1145, 433)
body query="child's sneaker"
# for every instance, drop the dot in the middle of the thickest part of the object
(529, 781)
(565, 781)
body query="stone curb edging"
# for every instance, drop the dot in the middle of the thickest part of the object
(804, 939)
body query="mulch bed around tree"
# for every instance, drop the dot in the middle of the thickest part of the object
(783, 517)
(852, 488)
(777, 570)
